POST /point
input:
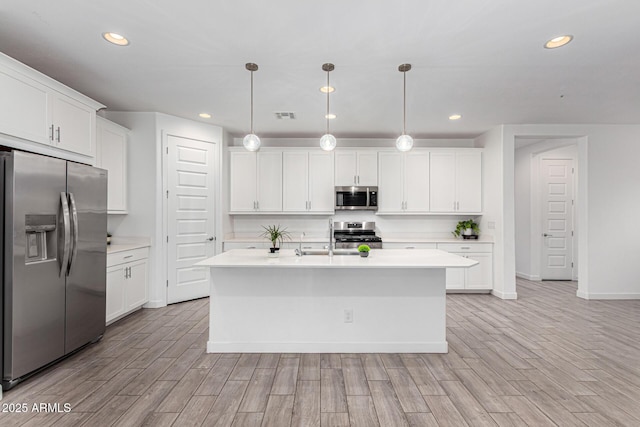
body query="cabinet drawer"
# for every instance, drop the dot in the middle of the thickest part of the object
(127, 256)
(465, 247)
(227, 246)
(399, 245)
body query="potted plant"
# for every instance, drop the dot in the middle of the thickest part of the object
(364, 250)
(276, 235)
(467, 229)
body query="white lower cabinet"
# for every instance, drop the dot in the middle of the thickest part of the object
(127, 282)
(408, 245)
(476, 278)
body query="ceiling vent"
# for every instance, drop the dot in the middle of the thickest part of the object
(284, 115)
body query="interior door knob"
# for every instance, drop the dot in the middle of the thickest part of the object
(211, 239)
(547, 235)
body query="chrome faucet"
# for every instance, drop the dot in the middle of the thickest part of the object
(330, 237)
(299, 250)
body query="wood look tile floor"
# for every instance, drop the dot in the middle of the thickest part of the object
(548, 358)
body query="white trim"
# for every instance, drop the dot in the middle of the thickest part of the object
(531, 277)
(599, 296)
(504, 295)
(327, 347)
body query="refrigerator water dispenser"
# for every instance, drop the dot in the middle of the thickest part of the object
(41, 238)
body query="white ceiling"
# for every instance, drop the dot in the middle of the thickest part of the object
(481, 58)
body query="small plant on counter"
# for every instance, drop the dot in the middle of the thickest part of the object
(276, 235)
(467, 229)
(364, 250)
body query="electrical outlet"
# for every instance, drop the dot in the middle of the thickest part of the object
(348, 315)
(491, 225)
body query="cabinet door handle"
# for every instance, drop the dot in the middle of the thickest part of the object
(410, 247)
(465, 247)
(355, 180)
(58, 130)
(358, 179)
(128, 256)
(309, 204)
(457, 206)
(52, 133)
(251, 247)
(258, 204)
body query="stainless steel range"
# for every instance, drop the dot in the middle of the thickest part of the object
(352, 234)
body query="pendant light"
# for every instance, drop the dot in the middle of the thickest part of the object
(328, 141)
(251, 142)
(404, 141)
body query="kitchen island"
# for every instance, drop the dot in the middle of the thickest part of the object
(392, 301)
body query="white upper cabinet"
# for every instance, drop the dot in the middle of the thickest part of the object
(73, 125)
(403, 182)
(24, 108)
(255, 181)
(111, 154)
(37, 109)
(356, 168)
(308, 185)
(456, 181)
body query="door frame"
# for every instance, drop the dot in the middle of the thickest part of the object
(217, 214)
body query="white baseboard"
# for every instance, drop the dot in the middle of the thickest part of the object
(155, 304)
(533, 278)
(596, 296)
(504, 295)
(327, 347)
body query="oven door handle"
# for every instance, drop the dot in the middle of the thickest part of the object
(368, 199)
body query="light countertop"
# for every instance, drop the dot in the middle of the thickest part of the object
(121, 244)
(386, 238)
(382, 258)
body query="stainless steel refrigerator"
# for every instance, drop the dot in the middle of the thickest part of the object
(53, 254)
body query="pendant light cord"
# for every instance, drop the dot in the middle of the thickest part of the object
(251, 102)
(327, 116)
(404, 103)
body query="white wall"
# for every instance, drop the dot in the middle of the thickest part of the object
(608, 203)
(527, 208)
(359, 142)
(497, 218)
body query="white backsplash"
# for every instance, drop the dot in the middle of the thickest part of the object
(317, 226)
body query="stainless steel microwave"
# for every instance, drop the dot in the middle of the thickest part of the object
(356, 198)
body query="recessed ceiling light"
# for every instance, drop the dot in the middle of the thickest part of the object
(116, 38)
(558, 41)
(325, 89)
(455, 117)
(330, 116)
(205, 115)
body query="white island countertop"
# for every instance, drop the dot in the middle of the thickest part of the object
(378, 258)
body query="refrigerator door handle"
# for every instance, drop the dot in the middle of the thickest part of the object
(74, 231)
(66, 234)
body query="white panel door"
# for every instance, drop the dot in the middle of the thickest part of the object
(557, 219)
(346, 169)
(321, 188)
(295, 184)
(469, 181)
(367, 168)
(242, 181)
(416, 182)
(443, 182)
(390, 182)
(190, 217)
(269, 184)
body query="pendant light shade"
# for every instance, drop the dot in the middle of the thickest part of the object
(404, 141)
(251, 142)
(328, 141)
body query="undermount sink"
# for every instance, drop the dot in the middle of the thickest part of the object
(325, 252)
